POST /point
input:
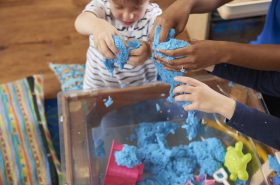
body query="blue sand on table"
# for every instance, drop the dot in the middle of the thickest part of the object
(171, 44)
(174, 165)
(108, 102)
(122, 56)
(273, 164)
(127, 157)
(99, 148)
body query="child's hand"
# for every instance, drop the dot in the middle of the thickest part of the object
(140, 55)
(103, 39)
(203, 98)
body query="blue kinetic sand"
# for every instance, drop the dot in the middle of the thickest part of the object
(171, 165)
(171, 44)
(122, 56)
(108, 102)
(273, 164)
(192, 125)
(127, 157)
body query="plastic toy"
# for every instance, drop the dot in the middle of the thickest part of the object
(120, 175)
(236, 162)
(221, 176)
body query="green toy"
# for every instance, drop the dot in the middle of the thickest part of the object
(236, 162)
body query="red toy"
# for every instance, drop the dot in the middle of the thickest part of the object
(120, 175)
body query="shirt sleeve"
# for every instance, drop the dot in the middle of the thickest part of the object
(267, 82)
(96, 7)
(256, 124)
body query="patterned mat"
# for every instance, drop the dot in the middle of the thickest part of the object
(27, 155)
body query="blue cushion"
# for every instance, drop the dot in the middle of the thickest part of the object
(70, 76)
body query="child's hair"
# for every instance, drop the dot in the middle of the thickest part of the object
(137, 2)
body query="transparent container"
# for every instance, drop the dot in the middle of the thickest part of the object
(84, 119)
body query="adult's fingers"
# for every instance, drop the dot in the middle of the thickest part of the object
(175, 62)
(188, 50)
(164, 32)
(187, 80)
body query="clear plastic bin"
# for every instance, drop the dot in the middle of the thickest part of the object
(84, 118)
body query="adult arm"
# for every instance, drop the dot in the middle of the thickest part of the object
(201, 54)
(177, 14)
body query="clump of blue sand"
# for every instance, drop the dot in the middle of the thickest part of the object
(122, 57)
(192, 125)
(170, 165)
(171, 44)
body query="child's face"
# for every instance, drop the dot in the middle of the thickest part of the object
(127, 11)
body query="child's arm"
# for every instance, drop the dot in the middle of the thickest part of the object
(87, 23)
(247, 120)
(267, 82)
(203, 98)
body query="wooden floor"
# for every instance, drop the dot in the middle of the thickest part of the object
(34, 33)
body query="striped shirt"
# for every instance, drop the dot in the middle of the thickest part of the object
(96, 75)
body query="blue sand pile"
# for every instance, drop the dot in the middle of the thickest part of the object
(171, 165)
(122, 56)
(127, 157)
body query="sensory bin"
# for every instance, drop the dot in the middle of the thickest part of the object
(88, 128)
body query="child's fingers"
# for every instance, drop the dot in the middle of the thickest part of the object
(111, 45)
(134, 61)
(105, 50)
(184, 89)
(187, 80)
(135, 52)
(184, 97)
(190, 107)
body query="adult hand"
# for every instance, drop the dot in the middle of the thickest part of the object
(198, 55)
(175, 16)
(103, 39)
(203, 98)
(140, 55)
